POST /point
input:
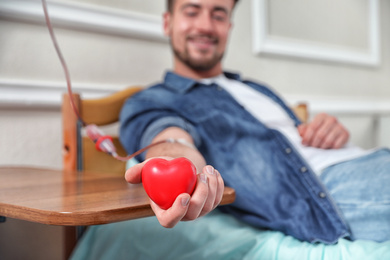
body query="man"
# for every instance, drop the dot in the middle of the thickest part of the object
(288, 176)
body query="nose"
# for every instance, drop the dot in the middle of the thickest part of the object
(205, 23)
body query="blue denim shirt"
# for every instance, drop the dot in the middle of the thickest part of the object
(275, 187)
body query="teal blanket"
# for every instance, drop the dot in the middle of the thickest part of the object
(216, 236)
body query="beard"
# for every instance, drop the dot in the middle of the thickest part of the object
(197, 64)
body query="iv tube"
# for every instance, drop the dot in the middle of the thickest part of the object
(63, 63)
(102, 142)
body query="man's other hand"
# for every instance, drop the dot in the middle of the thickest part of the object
(325, 132)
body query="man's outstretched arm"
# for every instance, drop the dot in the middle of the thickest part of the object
(209, 188)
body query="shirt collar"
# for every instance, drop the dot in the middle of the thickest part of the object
(182, 84)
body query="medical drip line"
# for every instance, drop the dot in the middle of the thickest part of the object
(63, 63)
(102, 142)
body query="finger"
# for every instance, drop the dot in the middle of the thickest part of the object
(319, 127)
(329, 140)
(220, 189)
(133, 174)
(310, 129)
(335, 138)
(328, 128)
(318, 120)
(342, 139)
(328, 133)
(307, 136)
(213, 188)
(198, 198)
(302, 129)
(170, 217)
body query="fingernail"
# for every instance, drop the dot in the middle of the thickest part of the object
(185, 201)
(210, 170)
(203, 177)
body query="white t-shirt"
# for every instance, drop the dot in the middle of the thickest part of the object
(274, 116)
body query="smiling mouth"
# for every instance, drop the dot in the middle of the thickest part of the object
(203, 41)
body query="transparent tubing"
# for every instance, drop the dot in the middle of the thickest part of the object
(102, 142)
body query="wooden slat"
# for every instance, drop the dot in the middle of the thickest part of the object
(69, 132)
(301, 111)
(104, 111)
(97, 161)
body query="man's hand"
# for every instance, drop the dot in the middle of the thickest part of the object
(324, 132)
(206, 196)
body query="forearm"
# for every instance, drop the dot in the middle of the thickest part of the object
(176, 149)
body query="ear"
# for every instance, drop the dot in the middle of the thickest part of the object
(167, 23)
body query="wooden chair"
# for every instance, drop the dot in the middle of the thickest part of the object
(79, 153)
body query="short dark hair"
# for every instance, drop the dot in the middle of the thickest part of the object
(171, 2)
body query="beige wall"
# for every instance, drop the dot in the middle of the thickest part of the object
(108, 61)
(113, 61)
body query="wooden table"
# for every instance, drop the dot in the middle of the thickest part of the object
(67, 198)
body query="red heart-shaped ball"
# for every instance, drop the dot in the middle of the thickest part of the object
(164, 180)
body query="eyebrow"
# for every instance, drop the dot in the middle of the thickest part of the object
(216, 8)
(187, 5)
(219, 8)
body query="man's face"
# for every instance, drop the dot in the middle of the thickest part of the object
(199, 30)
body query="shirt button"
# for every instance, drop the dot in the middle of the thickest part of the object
(322, 194)
(288, 150)
(303, 169)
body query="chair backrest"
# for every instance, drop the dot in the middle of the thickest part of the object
(79, 151)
